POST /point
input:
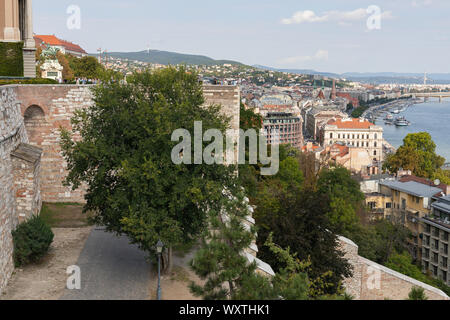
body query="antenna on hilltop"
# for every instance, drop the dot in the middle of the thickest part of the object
(99, 50)
(148, 48)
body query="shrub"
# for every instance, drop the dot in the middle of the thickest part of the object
(417, 293)
(27, 81)
(32, 239)
(11, 59)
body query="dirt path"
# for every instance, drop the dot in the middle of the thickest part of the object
(47, 280)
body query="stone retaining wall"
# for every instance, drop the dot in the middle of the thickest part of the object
(372, 281)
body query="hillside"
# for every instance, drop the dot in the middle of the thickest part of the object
(165, 58)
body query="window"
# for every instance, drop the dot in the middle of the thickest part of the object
(388, 205)
(375, 153)
(375, 144)
(435, 259)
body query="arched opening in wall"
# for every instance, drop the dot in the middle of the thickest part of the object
(35, 122)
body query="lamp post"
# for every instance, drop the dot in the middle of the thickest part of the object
(159, 249)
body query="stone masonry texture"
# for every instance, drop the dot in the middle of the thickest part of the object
(12, 134)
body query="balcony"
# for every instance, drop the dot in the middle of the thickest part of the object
(437, 220)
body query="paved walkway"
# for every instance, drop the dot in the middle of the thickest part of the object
(111, 269)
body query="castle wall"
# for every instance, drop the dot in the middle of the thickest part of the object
(46, 108)
(372, 281)
(12, 134)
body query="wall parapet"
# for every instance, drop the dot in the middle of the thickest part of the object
(372, 281)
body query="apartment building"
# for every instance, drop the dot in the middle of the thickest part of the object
(407, 201)
(287, 125)
(317, 116)
(435, 242)
(358, 133)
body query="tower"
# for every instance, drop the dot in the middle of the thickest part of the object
(425, 79)
(333, 92)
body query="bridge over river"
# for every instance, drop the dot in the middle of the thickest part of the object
(440, 95)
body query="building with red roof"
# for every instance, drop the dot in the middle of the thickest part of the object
(358, 133)
(64, 46)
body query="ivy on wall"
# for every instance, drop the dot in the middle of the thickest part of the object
(11, 59)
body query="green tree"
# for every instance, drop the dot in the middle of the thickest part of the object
(124, 158)
(345, 198)
(292, 282)
(221, 260)
(380, 241)
(249, 119)
(301, 223)
(418, 154)
(67, 72)
(402, 262)
(86, 67)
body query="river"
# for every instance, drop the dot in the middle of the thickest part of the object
(432, 117)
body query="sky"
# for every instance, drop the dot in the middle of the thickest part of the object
(327, 35)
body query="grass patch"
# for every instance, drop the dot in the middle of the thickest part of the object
(64, 215)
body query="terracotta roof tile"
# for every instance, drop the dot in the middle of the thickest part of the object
(350, 123)
(54, 41)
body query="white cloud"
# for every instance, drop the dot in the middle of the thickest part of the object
(343, 18)
(421, 3)
(321, 55)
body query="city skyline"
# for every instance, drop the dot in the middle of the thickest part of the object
(325, 36)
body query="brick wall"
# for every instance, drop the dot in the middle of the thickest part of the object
(372, 281)
(46, 108)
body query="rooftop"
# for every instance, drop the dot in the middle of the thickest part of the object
(413, 188)
(351, 123)
(425, 181)
(54, 41)
(442, 204)
(27, 152)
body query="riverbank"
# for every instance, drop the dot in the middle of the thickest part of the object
(431, 116)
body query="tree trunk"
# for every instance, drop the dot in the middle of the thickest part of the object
(167, 260)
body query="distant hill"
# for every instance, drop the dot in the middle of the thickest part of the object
(373, 77)
(300, 71)
(165, 58)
